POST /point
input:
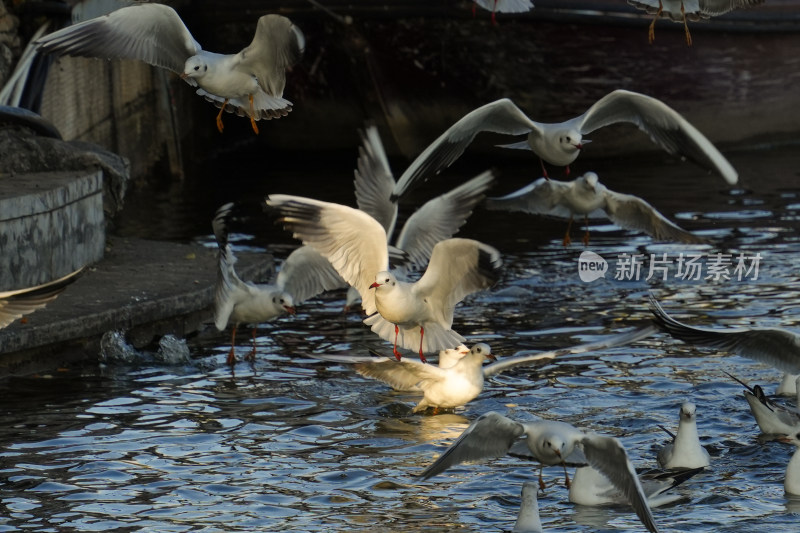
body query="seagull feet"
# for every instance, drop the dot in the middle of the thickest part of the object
(688, 35)
(220, 127)
(422, 357)
(396, 353)
(253, 123)
(566, 170)
(231, 360)
(567, 241)
(651, 33)
(586, 238)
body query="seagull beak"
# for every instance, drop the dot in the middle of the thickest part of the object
(785, 439)
(579, 146)
(376, 284)
(184, 75)
(289, 309)
(491, 357)
(558, 453)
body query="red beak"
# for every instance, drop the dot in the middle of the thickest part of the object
(376, 284)
(289, 309)
(579, 146)
(184, 75)
(491, 357)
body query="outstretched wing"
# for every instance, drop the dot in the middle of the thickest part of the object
(277, 45)
(305, 273)
(542, 197)
(374, 180)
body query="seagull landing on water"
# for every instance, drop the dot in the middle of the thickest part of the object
(772, 419)
(685, 450)
(249, 83)
(588, 197)
(560, 143)
(415, 315)
(303, 275)
(550, 443)
(683, 10)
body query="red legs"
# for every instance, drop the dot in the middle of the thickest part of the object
(567, 241)
(566, 475)
(542, 484)
(251, 357)
(566, 170)
(231, 357)
(544, 170)
(586, 235)
(494, 10)
(474, 8)
(394, 350)
(651, 34)
(219, 115)
(253, 115)
(421, 336)
(686, 27)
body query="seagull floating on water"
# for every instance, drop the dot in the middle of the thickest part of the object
(774, 346)
(416, 315)
(18, 303)
(788, 386)
(685, 450)
(528, 520)
(586, 196)
(772, 419)
(560, 143)
(683, 10)
(459, 379)
(303, 275)
(550, 443)
(591, 487)
(792, 481)
(249, 83)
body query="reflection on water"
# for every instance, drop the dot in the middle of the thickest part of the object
(294, 444)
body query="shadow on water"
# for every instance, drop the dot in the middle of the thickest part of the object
(292, 444)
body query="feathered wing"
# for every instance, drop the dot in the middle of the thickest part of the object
(633, 213)
(228, 282)
(777, 347)
(374, 180)
(506, 6)
(440, 219)
(491, 435)
(501, 116)
(17, 303)
(353, 242)
(610, 342)
(607, 455)
(404, 375)
(720, 7)
(277, 45)
(266, 107)
(665, 126)
(305, 274)
(542, 197)
(153, 33)
(458, 267)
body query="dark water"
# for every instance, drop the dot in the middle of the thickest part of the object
(291, 444)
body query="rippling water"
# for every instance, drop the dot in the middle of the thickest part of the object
(291, 444)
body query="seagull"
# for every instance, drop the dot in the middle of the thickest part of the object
(685, 450)
(503, 6)
(416, 314)
(249, 83)
(303, 275)
(438, 219)
(788, 386)
(683, 10)
(792, 482)
(460, 379)
(551, 443)
(560, 143)
(528, 519)
(586, 196)
(17, 303)
(774, 346)
(772, 419)
(590, 487)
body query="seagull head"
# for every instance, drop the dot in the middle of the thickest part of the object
(554, 444)
(589, 180)
(483, 350)
(571, 141)
(384, 278)
(687, 413)
(285, 300)
(195, 67)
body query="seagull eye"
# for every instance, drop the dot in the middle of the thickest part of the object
(274, 300)
(197, 67)
(387, 280)
(205, 67)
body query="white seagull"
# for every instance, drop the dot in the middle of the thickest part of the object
(774, 346)
(459, 379)
(560, 143)
(528, 520)
(588, 197)
(249, 83)
(416, 315)
(792, 482)
(503, 6)
(788, 386)
(685, 450)
(590, 487)
(772, 419)
(303, 275)
(683, 10)
(18, 303)
(550, 443)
